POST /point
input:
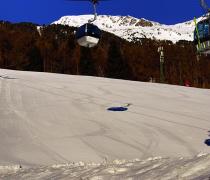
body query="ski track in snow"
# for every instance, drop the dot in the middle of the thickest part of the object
(50, 119)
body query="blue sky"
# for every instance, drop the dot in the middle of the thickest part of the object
(47, 11)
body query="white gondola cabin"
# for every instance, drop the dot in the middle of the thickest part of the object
(88, 35)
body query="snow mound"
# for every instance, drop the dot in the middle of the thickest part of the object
(9, 169)
(157, 168)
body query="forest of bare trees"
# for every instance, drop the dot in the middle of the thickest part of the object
(53, 48)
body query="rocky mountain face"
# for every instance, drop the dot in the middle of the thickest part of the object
(53, 48)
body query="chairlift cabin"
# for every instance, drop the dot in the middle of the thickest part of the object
(88, 35)
(202, 36)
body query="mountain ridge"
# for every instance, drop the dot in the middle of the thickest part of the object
(132, 29)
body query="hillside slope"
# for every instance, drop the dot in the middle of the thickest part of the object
(50, 118)
(54, 49)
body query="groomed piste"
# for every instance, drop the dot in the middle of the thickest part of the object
(50, 119)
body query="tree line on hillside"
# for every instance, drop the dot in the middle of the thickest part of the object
(53, 48)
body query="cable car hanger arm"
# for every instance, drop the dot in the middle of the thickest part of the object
(95, 14)
(94, 2)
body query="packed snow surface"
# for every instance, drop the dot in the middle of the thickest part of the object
(131, 28)
(50, 119)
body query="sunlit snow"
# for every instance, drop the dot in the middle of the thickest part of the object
(48, 121)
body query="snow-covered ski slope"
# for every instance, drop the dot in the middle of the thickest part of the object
(50, 119)
(131, 28)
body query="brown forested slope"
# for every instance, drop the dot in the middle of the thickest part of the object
(54, 49)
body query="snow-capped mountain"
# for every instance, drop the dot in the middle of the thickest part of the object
(131, 28)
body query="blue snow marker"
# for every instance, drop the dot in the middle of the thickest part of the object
(207, 142)
(117, 109)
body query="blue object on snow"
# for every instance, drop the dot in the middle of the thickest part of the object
(117, 109)
(207, 142)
